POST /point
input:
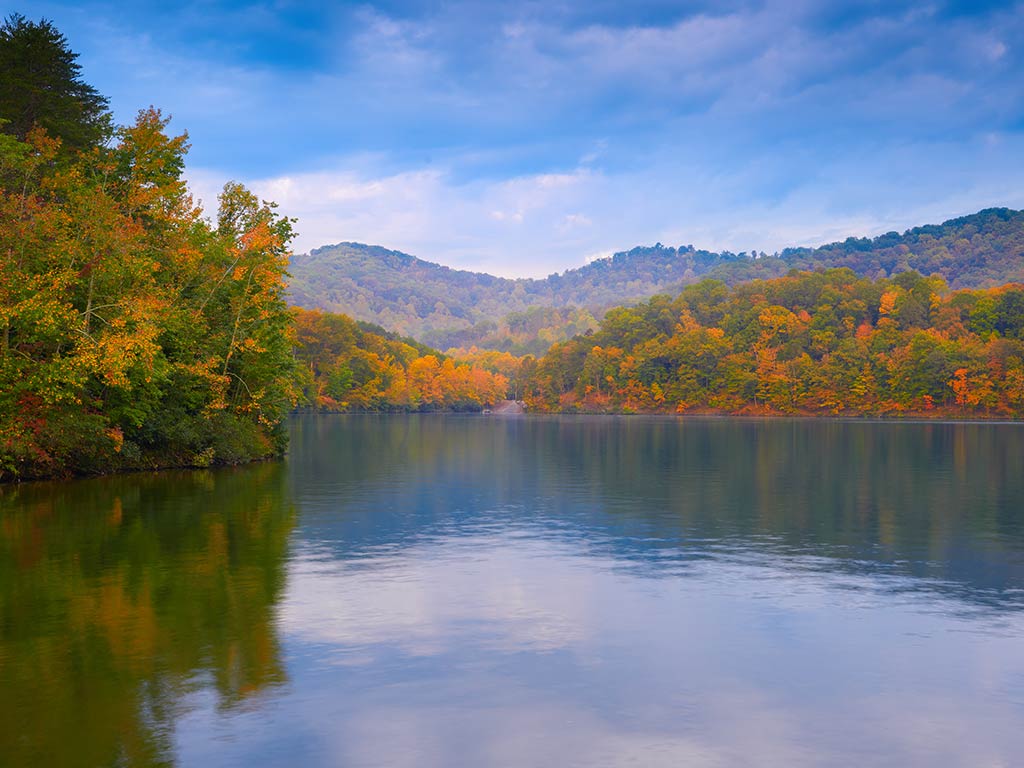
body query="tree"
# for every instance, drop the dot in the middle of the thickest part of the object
(254, 334)
(41, 86)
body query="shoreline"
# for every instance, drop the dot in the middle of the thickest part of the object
(905, 416)
(702, 415)
(123, 471)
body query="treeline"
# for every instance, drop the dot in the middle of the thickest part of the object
(454, 308)
(809, 343)
(351, 366)
(515, 370)
(530, 332)
(983, 250)
(134, 333)
(441, 306)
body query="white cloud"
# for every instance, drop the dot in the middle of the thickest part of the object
(754, 129)
(533, 224)
(512, 226)
(598, 255)
(574, 220)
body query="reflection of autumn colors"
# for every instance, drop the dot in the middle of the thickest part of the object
(120, 596)
(934, 500)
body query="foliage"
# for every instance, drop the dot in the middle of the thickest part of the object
(41, 86)
(824, 342)
(515, 370)
(133, 333)
(530, 332)
(350, 366)
(452, 308)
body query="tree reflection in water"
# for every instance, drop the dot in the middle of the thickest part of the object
(120, 596)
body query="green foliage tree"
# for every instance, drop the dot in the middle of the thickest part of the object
(41, 86)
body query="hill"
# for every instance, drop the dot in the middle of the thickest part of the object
(347, 365)
(446, 307)
(810, 343)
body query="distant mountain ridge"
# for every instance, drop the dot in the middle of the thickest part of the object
(448, 307)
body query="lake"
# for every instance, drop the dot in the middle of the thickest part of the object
(564, 591)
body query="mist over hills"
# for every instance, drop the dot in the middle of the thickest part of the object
(447, 307)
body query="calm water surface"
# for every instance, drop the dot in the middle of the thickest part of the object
(473, 591)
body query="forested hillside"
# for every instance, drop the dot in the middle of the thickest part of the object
(353, 366)
(809, 343)
(446, 307)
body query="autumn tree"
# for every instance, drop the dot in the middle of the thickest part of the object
(134, 334)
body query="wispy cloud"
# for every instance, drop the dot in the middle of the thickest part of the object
(521, 137)
(532, 225)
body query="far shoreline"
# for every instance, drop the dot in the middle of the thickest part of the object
(703, 416)
(910, 419)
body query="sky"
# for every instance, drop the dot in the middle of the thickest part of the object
(525, 138)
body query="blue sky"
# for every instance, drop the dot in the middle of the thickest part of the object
(526, 138)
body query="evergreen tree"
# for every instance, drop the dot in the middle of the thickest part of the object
(40, 86)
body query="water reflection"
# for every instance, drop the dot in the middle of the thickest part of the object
(466, 591)
(943, 502)
(515, 652)
(120, 597)
(656, 592)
